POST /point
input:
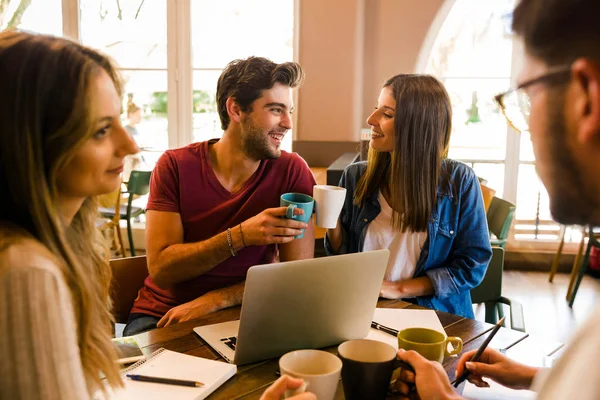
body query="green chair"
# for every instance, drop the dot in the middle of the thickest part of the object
(593, 235)
(499, 217)
(489, 292)
(139, 184)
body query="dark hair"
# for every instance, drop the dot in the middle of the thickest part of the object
(246, 79)
(422, 126)
(559, 31)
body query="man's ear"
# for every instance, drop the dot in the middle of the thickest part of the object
(233, 110)
(587, 76)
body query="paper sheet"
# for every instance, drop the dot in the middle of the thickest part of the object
(495, 392)
(401, 319)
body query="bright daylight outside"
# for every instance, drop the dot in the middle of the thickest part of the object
(473, 56)
(474, 60)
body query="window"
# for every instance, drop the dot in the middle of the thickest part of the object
(261, 27)
(163, 48)
(42, 16)
(134, 34)
(475, 61)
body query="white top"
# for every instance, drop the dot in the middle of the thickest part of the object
(38, 332)
(575, 375)
(405, 248)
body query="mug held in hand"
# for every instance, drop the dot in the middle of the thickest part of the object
(297, 200)
(429, 343)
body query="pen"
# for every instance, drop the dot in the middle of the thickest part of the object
(384, 328)
(168, 381)
(479, 352)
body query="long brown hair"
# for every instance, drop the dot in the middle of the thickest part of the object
(411, 172)
(45, 117)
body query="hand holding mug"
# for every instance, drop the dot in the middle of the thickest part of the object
(269, 227)
(283, 384)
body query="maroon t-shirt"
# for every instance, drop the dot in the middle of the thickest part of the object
(184, 182)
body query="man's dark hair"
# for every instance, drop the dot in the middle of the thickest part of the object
(246, 79)
(559, 31)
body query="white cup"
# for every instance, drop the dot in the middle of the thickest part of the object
(329, 201)
(319, 369)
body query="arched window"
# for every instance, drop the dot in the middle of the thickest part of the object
(476, 56)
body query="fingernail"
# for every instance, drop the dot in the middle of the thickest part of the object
(470, 366)
(401, 350)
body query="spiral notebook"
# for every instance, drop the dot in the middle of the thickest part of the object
(170, 364)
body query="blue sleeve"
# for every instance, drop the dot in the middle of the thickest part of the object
(471, 249)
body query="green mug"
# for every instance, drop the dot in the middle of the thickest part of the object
(429, 343)
(298, 200)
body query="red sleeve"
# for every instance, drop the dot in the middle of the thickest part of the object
(164, 185)
(301, 179)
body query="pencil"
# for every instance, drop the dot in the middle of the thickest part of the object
(168, 381)
(479, 352)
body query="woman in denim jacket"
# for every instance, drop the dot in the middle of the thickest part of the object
(409, 198)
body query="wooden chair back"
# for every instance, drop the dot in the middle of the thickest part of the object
(128, 278)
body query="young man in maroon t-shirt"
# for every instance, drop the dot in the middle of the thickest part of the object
(214, 208)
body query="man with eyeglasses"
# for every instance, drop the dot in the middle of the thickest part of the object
(557, 100)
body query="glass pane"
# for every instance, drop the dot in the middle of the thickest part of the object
(42, 16)
(245, 28)
(526, 150)
(493, 174)
(133, 32)
(474, 41)
(148, 91)
(533, 218)
(478, 126)
(206, 119)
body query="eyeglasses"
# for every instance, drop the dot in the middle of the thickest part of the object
(516, 104)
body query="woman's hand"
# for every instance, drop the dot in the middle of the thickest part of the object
(498, 367)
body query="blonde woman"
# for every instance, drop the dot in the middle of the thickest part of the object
(61, 144)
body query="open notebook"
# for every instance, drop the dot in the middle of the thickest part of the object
(170, 364)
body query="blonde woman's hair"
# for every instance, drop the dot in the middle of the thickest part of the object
(45, 117)
(412, 171)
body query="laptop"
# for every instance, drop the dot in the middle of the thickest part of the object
(304, 304)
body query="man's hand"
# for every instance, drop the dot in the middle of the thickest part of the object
(270, 227)
(391, 290)
(191, 310)
(277, 389)
(430, 378)
(497, 367)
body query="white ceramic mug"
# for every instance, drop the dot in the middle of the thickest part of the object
(329, 201)
(319, 369)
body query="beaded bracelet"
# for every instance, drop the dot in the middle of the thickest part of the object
(230, 242)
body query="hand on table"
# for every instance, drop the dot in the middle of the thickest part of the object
(429, 378)
(191, 310)
(277, 389)
(498, 367)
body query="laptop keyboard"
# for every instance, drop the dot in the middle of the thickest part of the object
(230, 342)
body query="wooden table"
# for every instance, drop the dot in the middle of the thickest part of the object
(251, 380)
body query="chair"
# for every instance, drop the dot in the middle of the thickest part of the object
(128, 275)
(593, 235)
(499, 217)
(138, 184)
(489, 292)
(113, 225)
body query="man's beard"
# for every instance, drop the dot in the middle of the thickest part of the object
(255, 142)
(570, 202)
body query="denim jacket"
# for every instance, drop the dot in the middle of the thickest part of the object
(457, 250)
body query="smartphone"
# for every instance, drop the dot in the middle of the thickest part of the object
(128, 350)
